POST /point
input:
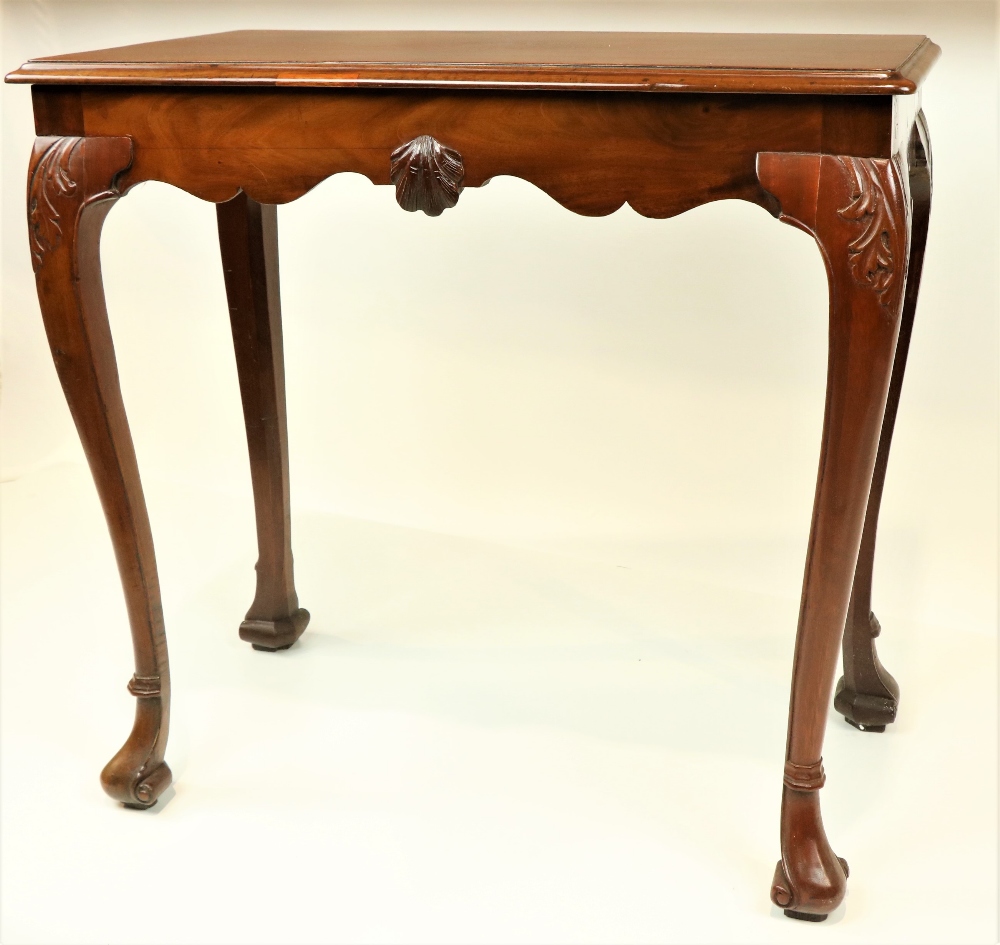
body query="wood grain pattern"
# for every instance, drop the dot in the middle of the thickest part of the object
(72, 184)
(591, 152)
(832, 199)
(584, 61)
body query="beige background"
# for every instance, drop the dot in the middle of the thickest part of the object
(551, 488)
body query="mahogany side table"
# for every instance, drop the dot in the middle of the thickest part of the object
(825, 132)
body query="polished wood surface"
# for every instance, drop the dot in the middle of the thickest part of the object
(867, 694)
(592, 152)
(71, 187)
(248, 239)
(852, 170)
(674, 62)
(858, 210)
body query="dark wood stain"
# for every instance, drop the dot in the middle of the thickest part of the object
(803, 126)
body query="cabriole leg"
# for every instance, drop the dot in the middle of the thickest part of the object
(867, 695)
(72, 184)
(858, 211)
(248, 238)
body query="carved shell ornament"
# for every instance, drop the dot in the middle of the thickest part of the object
(428, 176)
(873, 256)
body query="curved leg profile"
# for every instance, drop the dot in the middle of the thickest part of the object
(71, 188)
(867, 695)
(858, 211)
(248, 238)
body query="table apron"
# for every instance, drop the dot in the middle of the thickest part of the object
(662, 153)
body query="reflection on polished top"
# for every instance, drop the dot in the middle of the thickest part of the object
(581, 61)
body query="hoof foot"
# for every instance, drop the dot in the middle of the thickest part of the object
(865, 712)
(273, 635)
(146, 792)
(864, 728)
(138, 775)
(810, 881)
(805, 916)
(782, 896)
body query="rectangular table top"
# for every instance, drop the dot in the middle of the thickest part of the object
(656, 62)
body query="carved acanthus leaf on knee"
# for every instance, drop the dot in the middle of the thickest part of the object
(72, 184)
(858, 211)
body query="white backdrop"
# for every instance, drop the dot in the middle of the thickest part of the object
(529, 451)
